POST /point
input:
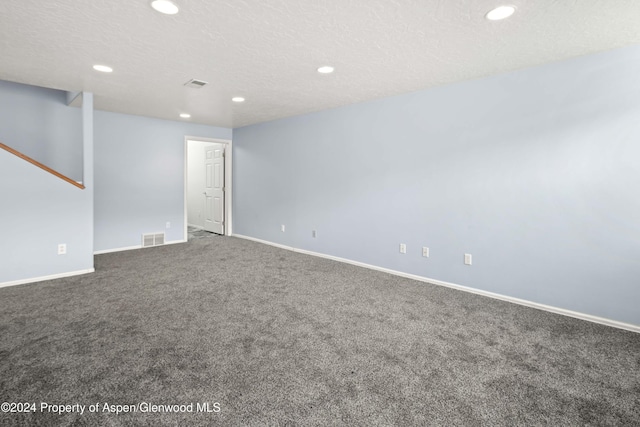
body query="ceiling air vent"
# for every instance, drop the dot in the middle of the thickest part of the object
(152, 240)
(195, 83)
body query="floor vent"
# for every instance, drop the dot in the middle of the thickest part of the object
(152, 240)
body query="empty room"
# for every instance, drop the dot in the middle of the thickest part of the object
(311, 213)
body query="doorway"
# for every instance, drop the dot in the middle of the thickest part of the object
(207, 186)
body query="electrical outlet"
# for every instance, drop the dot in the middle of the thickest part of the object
(467, 259)
(62, 249)
(425, 252)
(403, 248)
(282, 228)
(168, 224)
(314, 233)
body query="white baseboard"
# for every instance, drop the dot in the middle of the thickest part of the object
(130, 248)
(108, 251)
(552, 309)
(43, 278)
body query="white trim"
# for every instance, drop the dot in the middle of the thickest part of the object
(43, 278)
(131, 248)
(526, 303)
(228, 185)
(108, 251)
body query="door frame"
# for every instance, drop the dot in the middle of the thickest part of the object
(228, 161)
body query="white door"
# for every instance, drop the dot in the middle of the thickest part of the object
(214, 188)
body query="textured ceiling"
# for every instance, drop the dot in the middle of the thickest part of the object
(268, 51)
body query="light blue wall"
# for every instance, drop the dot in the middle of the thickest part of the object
(139, 177)
(37, 122)
(535, 173)
(38, 211)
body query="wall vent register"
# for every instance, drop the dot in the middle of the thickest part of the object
(155, 239)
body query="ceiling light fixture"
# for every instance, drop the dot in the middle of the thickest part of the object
(102, 68)
(326, 69)
(237, 99)
(500, 12)
(185, 115)
(165, 6)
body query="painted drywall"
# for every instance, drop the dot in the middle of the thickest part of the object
(195, 183)
(39, 211)
(139, 177)
(534, 173)
(37, 122)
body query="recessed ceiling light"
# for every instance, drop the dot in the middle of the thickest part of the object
(165, 6)
(325, 69)
(185, 115)
(500, 12)
(103, 68)
(237, 99)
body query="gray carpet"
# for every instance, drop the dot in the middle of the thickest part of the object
(272, 337)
